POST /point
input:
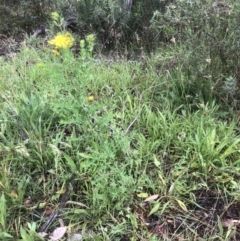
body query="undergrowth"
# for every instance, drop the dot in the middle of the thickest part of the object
(118, 132)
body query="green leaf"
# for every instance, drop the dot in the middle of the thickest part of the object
(5, 235)
(182, 205)
(230, 150)
(70, 162)
(3, 208)
(142, 195)
(84, 155)
(154, 209)
(25, 235)
(156, 161)
(220, 226)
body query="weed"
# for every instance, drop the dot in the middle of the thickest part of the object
(145, 161)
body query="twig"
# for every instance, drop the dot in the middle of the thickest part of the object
(48, 223)
(56, 213)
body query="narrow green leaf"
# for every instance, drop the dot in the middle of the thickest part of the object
(70, 162)
(3, 209)
(156, 161)
(154, 209)
(84, 155)
(220, 226)
(142, 195)
(25, 235)
(5, 235)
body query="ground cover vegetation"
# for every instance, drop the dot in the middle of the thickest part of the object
(141, 144)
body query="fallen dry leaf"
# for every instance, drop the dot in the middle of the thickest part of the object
(75, 237)
(150, 198)
(77, 203)
(14, 194)
(228, 223)
(27, 201)
(42, 234)
(58, 233)
(61, 223)
(48, 211)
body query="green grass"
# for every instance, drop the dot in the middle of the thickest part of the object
(143, 134)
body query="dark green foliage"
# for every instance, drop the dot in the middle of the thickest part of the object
(206, 42)
(116, 23)
(24, 15)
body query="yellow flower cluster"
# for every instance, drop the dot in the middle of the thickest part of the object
(90, 98)
(62, 41)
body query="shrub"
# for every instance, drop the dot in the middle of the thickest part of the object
(205, 38)
(25, 14)
(116, 22)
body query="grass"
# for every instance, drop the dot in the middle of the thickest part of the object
(143, 134)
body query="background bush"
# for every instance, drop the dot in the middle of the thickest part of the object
(204, 39)
(23, 15)
(203, 36)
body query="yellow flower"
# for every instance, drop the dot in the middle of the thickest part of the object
(90, 98)
(55, 52)
(62, 41)
(40, 65)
